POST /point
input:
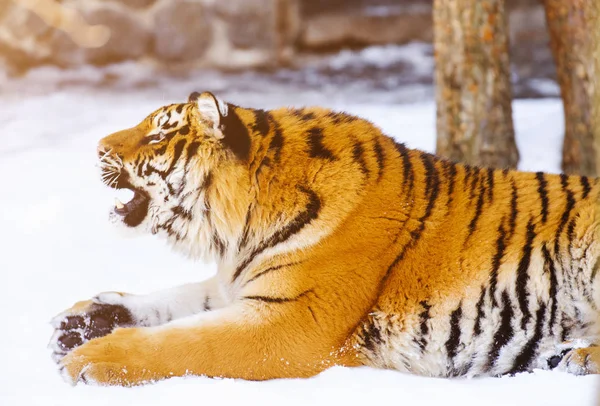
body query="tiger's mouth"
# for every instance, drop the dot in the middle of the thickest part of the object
(135, 210)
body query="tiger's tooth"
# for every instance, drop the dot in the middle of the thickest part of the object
(118, 204)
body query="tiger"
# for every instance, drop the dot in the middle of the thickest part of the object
(335, 246)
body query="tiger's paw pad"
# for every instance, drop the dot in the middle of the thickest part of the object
(85, 321)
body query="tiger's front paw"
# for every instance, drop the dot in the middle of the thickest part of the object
(125, 357)
(87, 320)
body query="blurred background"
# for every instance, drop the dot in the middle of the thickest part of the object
(366, 50)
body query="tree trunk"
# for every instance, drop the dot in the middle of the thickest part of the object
(572, 33)
(473, 88)
(594, 22)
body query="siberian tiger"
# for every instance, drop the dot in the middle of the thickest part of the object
(336, 245)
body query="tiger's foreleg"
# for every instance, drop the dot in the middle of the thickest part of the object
(103, 313)
(251, 341)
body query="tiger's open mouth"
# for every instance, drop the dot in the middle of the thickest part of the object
(134, 211)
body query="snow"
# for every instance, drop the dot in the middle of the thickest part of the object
(58, 248)
(382, 56)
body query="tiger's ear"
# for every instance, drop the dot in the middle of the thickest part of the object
(210, 108)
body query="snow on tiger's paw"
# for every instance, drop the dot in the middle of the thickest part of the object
(87, 320)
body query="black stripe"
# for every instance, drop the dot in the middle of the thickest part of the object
(551, 269)
(261, 122)
(543, 192)
(265, 163)
(338, 118)
(169, 136)
(566, 330)
(523, 276)
(160, 150)
(245, 233)
(467, 177)
(585, 184)
(527, 354)
(206, 305)
(140, 169)
(304, 116)
(496, 262)
(490, 184)
(270, 269)
(236, 137)
(219, 244)
(177, 151)
(312, 313)
(310, 213)
(184, 130)
(371, 336)
(432, 189)
(480, 313)
(207, 181)
(408, 176)
(454, 336)
(358, 154)
(380, 158)
(316, 147)
(424, 319)
(149, 170)
(451, 175)
(566, 214)
(571, 232)
(181, 212)
(504, 333)
(564, 181)
(431, 175)
(478, 210)
(475, 182)
(514, 212)
(168, 125)
(192, 150)
(595, 270)
(270, 299)
(276, 143)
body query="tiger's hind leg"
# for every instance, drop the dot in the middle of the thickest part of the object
(578, 357)
(581, 361)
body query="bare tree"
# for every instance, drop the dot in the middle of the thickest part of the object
(574, 36)
(473, 92)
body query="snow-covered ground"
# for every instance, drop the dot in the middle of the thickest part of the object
(57, 248)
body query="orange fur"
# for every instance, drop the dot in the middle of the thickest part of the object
(390, 250)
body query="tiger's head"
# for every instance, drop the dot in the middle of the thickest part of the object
(168, 161)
